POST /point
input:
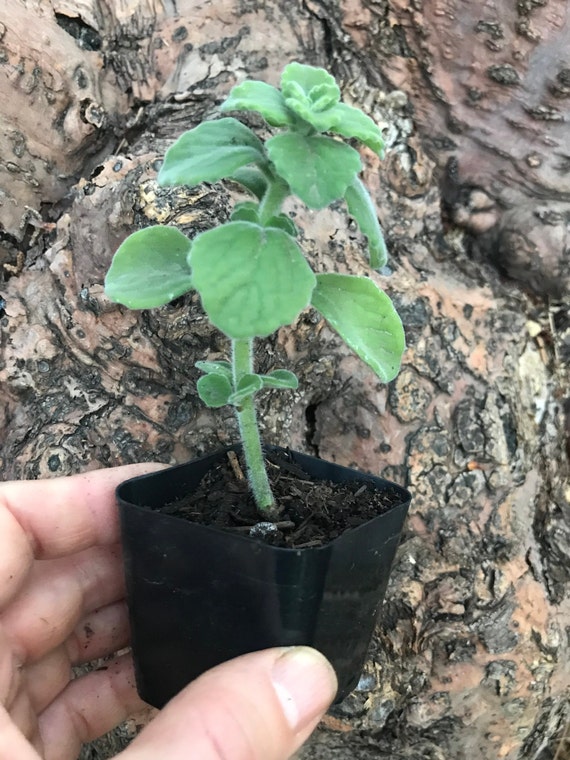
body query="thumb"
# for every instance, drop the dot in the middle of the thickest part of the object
(261, 706)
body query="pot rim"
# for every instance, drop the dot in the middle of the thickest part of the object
(125, 503)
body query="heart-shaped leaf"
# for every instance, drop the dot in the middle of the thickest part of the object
(209, 152)
(360, 206)
(261, 97)
(214, 390)
(318, 169)
(150, 268)
(365, 318)
(251, 279)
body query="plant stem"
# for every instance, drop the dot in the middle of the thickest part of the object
(242, 364)
(277, 191)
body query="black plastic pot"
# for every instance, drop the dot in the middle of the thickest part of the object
(199, 596)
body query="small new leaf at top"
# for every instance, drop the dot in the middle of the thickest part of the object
(309, 95)
(253, 95)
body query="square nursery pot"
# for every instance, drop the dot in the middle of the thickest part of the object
(199, 596)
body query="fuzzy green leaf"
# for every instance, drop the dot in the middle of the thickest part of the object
(313, 95)
(283, 222)
(209, 152)
(324, 96)
(252, 279)
(258, 96)
(360, 206)
(214, 390)
(252, 179)
(310, 83)
(344, 120)
(245, 212)
(280, 378)
(150, 268)
(365, 318)
(318, 169)
(248, 211)
(216, 368)
(352, 122)
(247, 386)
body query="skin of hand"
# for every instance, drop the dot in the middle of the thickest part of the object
(62, 604)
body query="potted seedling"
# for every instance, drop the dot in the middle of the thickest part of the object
(299, 552)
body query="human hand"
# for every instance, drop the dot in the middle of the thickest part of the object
(62, 604)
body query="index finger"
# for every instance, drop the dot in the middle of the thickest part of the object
(46, 519)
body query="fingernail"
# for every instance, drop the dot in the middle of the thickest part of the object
(305, 684)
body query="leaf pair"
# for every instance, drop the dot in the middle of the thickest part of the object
(317, 168)
(216, 389)
(253, 280)
(248, 211)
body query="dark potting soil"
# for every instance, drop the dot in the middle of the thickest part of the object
(312, 512)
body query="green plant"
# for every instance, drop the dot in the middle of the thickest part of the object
(250, 273)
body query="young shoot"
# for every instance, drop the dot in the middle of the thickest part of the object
(250, 272)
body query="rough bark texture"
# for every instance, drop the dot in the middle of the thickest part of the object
(471, 658)
(490, 88)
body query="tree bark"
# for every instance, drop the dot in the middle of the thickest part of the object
(471, 658)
